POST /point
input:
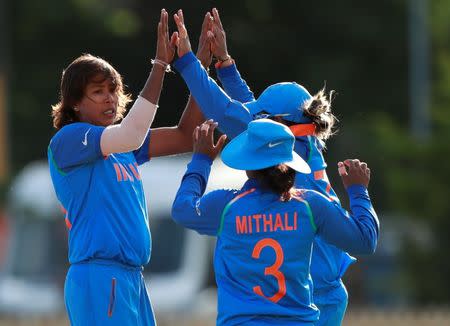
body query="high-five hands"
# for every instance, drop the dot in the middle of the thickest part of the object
(204, 53)
(182, 41)
(165, 47)
(218, 38)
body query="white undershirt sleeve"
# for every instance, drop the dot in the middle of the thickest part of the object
(130, 134)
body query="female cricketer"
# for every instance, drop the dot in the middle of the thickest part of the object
(311, 121)
(265, 230)
(93, 163)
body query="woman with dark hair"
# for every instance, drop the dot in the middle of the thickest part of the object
(265, 230)
(310, 119)
(93, 161)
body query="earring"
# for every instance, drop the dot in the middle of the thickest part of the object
(76, 109)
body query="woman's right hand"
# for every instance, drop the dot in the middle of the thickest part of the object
(354, 172)
(203, 139)
(219, 38)
(182, 41)
(204, 53)
(165, 47)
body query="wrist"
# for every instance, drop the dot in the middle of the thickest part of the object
(228, 61)
(223, 57)
(198, 156)
(160, 65)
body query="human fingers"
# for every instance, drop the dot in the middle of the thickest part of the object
(180, 26)
(206, 24)
(220, 143)
(342, 169)
(212, 127)
(364, 166)
(343, 173)
(216, 16)
(180, 14)
(165, 22)
(174, 40)
(204, 129)
(195, 134)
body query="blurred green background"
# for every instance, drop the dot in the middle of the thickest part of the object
(391, 74)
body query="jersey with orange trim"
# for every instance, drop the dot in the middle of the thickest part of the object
(328, 263)
(103, 198)
(264, 245)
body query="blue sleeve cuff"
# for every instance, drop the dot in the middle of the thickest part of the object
(227, 71)
(184, 61)
(200, 157)
(356, 190)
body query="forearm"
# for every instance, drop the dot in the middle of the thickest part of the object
(233, 84)
(192, 188)
(356, 233)
(363, 211)
(213, 102)
(131, 132)
(192, 117)
(153, 85)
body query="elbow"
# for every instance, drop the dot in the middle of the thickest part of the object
(180, 211)
(368, 247)
(176, 210)
(137, 142)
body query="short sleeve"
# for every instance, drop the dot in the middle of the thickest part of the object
(142, 154)
(76, 144)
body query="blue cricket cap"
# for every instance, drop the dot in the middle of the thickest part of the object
(283, 99)
(264, 144)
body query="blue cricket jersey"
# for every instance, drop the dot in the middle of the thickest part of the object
(264, 245)
(103, 196)
(328, 263)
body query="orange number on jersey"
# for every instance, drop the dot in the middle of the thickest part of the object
(272, 270)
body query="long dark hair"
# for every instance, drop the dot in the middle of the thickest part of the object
(280, 179)
(74, 80)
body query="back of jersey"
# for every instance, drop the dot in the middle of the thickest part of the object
(262, 260)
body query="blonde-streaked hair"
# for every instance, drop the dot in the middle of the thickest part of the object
(318, 109)
(74, 80)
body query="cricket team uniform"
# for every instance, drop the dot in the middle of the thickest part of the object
(328, 263)
(264, 245)
(109, 235)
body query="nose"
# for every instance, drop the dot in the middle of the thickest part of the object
(111, 98)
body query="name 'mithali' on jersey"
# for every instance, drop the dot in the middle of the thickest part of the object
(258, 223)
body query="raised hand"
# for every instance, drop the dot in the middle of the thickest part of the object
(203, 139)
(165, 47)
(218, 38)
(354, 172)
(204, 53)
(182, 41)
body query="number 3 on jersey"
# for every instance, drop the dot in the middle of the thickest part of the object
(272, 270)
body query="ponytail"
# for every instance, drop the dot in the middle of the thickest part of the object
(318, 109)
(280, 179)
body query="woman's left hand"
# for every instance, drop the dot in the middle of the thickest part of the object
(165, 47)
(203, 139)
(182, 41)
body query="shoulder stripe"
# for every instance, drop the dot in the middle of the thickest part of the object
(227, 207)
(50, 155)
(310, 214)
